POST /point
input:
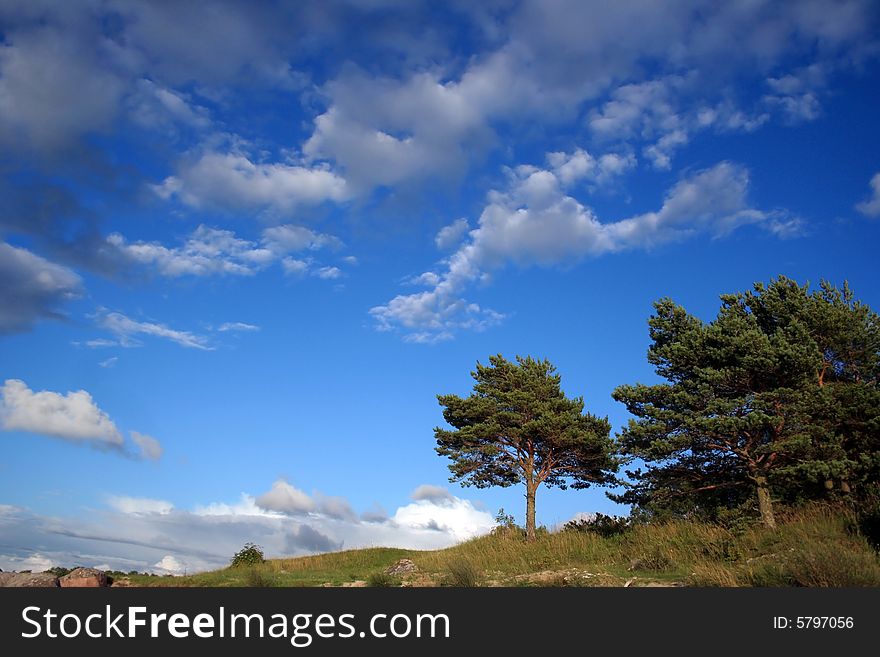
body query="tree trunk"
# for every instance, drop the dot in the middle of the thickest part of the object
(765, 504)
(530, 511)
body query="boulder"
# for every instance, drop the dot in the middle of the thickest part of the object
(85, 578)
(402, 567)
(23, 580)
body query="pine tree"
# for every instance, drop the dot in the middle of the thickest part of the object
(778, 396)
(519, 427)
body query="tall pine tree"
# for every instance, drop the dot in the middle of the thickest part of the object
(776, 398)
(519, 427)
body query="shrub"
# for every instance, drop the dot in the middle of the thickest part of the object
(505, 524)
(59, 571)
(256, 578)
(250, 555)
(463, 573)
(601, 525)
(383, 580)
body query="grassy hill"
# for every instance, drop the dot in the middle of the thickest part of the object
(814, 547)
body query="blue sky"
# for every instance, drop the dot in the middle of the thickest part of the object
(243, 247)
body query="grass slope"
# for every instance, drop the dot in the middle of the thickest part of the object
(813, 547)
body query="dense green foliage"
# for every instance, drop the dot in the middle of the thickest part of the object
(776, 399)
(600, 524)
(249, 555)
(519, 427)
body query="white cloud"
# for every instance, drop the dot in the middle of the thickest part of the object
(458, 518)
(328, 273)
(233, 181)
(383, 131)
(431, 493)
(149, 447)
(139, 505)
(285, 498)
(449, 236)
(211, 251)
(161, 108)
(171, 565)
(579, 165)
(126, 329)
(110, 362)
(99, 343)
(206, 251)
(238, 327)
(293, 266)
(871, 206)
(146, 534)
(74, 416)
(534, 222)
(796, 94)
(31, 288)
(290, 238)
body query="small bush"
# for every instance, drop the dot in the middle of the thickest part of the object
(383, 580)
(59, 571)
(463, 573)
(256, 578)
(652, 559)
(816, 565)
(601, 525)
(505, 525)
(250, 555)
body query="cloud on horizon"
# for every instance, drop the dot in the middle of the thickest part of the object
(147, 534)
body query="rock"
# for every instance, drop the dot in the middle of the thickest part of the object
(85, 578)
(5, 577)
(402, 567)
(30, 580)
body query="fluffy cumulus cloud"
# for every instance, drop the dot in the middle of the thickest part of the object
(73, 416)
(206, 251)
(284, 498)
(212, 251)
(449, 236)
(535, 221)
(233, 181)
(553, 61)
(32, 288)
(151, 534)
(871, 206)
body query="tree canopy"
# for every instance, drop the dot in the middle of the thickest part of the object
(519, 427)
(777, 397)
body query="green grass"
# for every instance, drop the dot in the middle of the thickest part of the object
(817, 546)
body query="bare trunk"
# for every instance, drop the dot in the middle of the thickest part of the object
(765, 504)
(530, 511)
